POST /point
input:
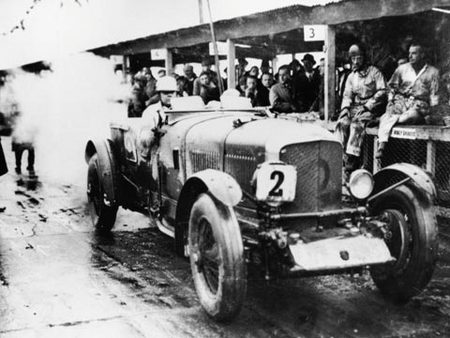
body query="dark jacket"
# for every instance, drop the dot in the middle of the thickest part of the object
(136, 105)
(209, 94)
(260, 98)
(307, 90)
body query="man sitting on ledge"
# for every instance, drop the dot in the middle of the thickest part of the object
(414, 88)
(364, 99)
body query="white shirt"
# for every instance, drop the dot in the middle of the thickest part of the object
(154, 114)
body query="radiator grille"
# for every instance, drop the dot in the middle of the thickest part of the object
(202, 160)
(319, 175)
(241, 167)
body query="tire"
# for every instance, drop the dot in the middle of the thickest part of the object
(217, 261)
(412, 241)
(103, 217)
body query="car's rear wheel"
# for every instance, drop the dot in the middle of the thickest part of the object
(216, 255)
(412, 239)
(103, 216)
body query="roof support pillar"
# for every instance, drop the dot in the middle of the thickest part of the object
(330, 72)
(169, 61)
(231, 57)
(274, 65)
(125, 67)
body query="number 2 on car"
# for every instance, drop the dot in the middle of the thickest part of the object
(276, 182)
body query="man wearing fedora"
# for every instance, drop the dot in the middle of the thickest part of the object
(307, 85)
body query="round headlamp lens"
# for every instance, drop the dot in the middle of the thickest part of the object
(361, 184)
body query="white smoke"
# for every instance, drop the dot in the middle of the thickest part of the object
(62, 109)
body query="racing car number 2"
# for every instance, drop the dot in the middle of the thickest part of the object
(276, 182)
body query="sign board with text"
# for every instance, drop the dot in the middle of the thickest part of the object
(158, 54)
(405, 133)
(314, 32)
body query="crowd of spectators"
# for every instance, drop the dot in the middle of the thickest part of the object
(415, 93)
(296, 87)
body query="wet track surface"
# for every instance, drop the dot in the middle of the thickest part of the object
(58, 278)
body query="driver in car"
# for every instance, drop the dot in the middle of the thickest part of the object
(166, 87)
(154, 118)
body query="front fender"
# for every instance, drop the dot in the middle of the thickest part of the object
(107, 165)
(222, 186)
(395, 172)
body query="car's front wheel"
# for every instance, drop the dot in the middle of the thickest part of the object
(216, 255)
(411, 236)
(103, 216)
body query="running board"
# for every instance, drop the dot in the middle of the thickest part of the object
(340, 253)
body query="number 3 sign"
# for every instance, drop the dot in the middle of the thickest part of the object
(276, 182)
(314, 32)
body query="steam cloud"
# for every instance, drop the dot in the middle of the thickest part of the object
(62, 109)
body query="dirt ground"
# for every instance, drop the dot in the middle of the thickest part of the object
(58, 278)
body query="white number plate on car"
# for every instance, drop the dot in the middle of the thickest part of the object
(276, 182)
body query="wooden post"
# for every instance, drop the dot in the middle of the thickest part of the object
(125, 67)
(231, 56)
(274, 65)
(330, 71)
(169, 62)
(431, 157)
(216, 51)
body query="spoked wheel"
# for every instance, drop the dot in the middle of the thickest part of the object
(103, 217)
(411, 235)
(216, 255)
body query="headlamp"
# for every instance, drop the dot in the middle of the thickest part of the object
(360, 184)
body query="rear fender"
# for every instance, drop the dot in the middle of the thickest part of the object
(108, 167)
(398, 171)
(220, 185)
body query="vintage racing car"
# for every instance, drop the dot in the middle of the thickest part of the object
(236, 187)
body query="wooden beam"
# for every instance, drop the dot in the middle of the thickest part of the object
(231, 57)
(276, 21)
(330, 72)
